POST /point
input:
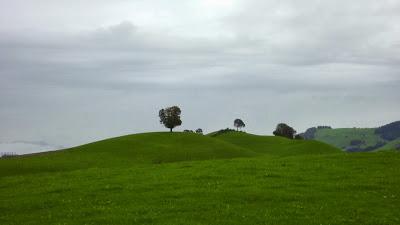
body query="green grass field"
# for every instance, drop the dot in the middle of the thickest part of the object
(183, 178)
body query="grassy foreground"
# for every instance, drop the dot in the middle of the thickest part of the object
(234, 178)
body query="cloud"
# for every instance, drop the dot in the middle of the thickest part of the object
(319, 32)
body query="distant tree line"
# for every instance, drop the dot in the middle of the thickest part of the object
(170, 118)
(8, 154)
(389, 132)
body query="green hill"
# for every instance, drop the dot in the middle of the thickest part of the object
(392, 145)
(127, 150)
(355, 139)
(343, 137)
(184, 178)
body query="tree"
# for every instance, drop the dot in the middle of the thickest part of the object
(238, 123)
(284, 130)
(199, 131)
(170, 117)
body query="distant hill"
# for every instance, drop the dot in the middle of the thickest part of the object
(357, 139)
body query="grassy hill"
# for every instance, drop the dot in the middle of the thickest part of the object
(183, 178)
(342, 137)
(128, 150)
(357, 139)
(392, 145)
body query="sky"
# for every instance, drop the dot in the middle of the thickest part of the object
(78, 71)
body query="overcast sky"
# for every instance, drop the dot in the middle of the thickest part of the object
(77, 71)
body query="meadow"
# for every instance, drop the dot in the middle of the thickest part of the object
(185, 178)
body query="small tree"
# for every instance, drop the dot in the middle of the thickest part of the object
(199, 131)
(238, 123)
(170, 117)
(284, 130)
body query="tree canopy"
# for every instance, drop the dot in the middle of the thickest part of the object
(284, 130)
(238, 123)
(170, 117)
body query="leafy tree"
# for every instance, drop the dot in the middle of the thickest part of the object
(199, 131)
(238, 123)
(170, 117)
(284, 130)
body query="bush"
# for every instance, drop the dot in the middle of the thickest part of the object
(283, 130)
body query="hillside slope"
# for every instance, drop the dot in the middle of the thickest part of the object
(392, 145)
(276, 145)
(349, 138)
(153, 148)
(156, 148)
(355, 139)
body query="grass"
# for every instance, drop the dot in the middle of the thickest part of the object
(342, 137)
(234, 178)
(276, 145)
(128, 150)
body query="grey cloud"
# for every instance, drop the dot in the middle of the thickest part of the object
(122, 54)
(322, 32)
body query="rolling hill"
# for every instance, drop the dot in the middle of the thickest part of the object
(146, 148)
(185, 178)
(356, 139)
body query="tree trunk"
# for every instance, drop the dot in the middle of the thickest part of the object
(170, 129)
